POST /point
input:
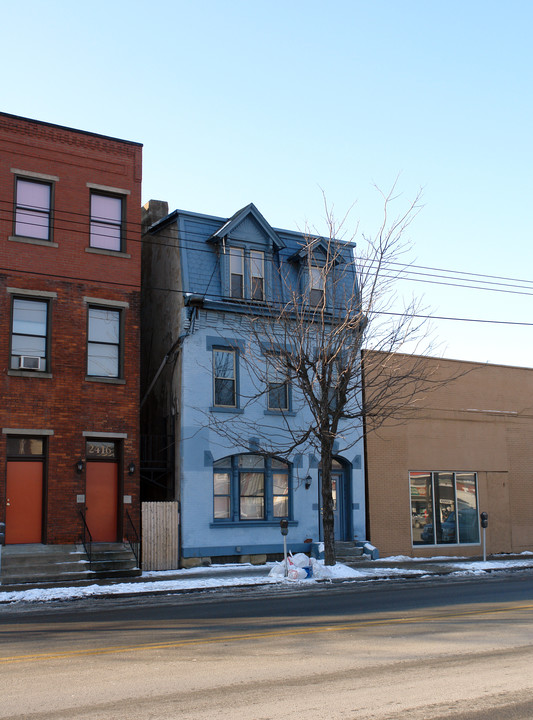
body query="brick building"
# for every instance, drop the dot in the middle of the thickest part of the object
(69, 332)
(465, 449)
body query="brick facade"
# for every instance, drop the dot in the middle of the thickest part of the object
(65, 404)
(478, 424)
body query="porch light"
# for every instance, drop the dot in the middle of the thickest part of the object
(131, 468)
(307, 481)
(79, 466)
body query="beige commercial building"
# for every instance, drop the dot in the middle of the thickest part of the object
(466, 448)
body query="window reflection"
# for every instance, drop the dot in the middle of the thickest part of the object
(444, 508)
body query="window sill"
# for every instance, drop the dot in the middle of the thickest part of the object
(30, 373)
(280, 413)
(103, 251)
(235, 411)
(446, 545)
(108, 380)
(250, 523)
(32, 241)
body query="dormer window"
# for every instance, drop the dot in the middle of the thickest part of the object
(257, 275)
(316, 286)
(236, 269)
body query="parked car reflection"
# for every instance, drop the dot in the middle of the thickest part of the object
(468, 529)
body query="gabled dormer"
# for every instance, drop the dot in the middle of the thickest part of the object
(317, 261)
(247, 246)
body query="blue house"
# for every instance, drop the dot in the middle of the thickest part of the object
(213, 387)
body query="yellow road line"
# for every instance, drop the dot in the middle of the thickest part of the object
(316, 629)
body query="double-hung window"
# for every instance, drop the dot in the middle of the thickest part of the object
(316, 286)
(236, 271)
(257, 275)
(280, 488)
(33, 205)
(106, 225)
(277, 383)
(224, 378)
(104, 342)
(29, 334)
(251, 487)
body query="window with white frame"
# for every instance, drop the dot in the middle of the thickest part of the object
(236, 271)
(251, 487)
(316, 286)
(224, 378)
(29, 334)
(444, 508)
(33, 207)
(106, 227)
(257, 275)
(277, 383)
(104, 342)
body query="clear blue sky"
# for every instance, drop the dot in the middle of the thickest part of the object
(240, 101)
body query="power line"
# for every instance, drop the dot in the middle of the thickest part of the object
(403, 269)
(406, 272)
(213, 296)
(407, 268)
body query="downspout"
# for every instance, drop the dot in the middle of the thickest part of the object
(173, 348)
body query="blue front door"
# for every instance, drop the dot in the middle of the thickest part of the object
(339, 510)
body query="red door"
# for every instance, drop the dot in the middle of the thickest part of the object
(24, 502)
(101, 500)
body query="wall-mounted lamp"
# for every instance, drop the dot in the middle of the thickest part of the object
(307, 481)
(131, 468)
(79, 466)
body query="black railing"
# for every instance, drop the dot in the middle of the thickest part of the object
(87, 539)
(132, 537)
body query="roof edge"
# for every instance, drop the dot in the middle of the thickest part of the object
(70, 129)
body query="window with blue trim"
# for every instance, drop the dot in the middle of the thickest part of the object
(251, 487)
(224, 378)
(278, 389)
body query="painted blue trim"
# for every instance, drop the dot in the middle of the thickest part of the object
(233, 222)
(222, 409)
(215, 341)
(265, 549)
(250, 523)
(280, 413)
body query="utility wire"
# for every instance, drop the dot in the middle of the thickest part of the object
(408, 268)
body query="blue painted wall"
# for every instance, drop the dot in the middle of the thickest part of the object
(215, 319)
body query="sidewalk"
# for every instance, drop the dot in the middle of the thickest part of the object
(225, 576)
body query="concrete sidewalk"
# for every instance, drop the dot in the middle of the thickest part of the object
(220, 576)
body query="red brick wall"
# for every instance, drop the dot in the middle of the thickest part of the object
(67, 403)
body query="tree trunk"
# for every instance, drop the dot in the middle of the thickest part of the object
(328, 519)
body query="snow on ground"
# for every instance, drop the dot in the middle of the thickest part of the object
(216, 576)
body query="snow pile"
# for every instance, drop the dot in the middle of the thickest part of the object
(302, 567)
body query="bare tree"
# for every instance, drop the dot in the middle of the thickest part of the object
(311, 334)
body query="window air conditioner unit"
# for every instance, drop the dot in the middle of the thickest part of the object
(31, 362)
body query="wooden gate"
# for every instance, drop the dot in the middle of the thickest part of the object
(160, 535)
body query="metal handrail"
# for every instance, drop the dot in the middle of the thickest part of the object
(132, 536)
(87, 539)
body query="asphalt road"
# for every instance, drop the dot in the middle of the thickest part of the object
(419, 650)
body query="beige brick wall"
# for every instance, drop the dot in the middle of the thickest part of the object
(482, 421)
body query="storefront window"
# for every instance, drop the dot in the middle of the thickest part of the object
(444, 508)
